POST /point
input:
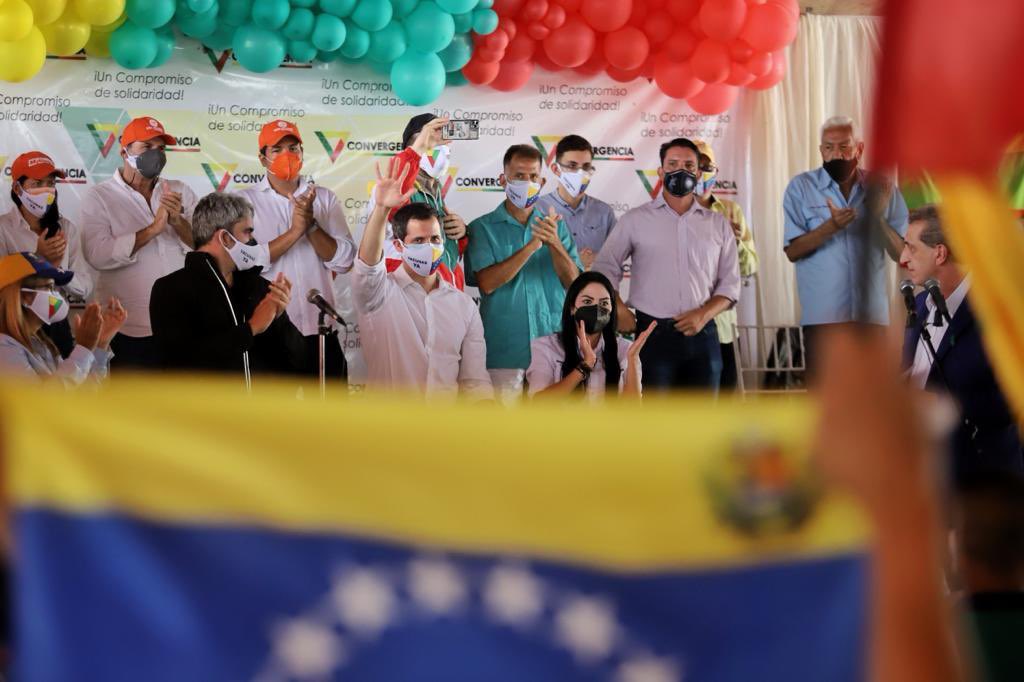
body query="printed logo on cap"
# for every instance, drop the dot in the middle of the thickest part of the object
(153, 123)
(283, 124)
(35, 161)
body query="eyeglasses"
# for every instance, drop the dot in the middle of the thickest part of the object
(573, 167)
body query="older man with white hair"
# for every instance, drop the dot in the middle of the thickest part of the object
(825, 224)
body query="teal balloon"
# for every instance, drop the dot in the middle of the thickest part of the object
(133, 46)
(457, 6)
(417, 77)
(429, 28)
(485, 4)
(198, 26)
(463, 22)
(258, 49)
(339, 8)
(300, 24)
(328, 33)
(301, 50)
(455, 79)
(150, 13)
(387, 44)
(379, 67)
(220, 39)
(235, 12)
(304, 3)
(328, 57)
(484, 21)
(401, 8)
(357, 42)
(200, 6)
(457, 54)
(270, 13)
(372, 15)
(164, 47)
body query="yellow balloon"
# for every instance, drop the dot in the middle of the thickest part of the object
(99, 12)
(15, 20)
(67, 35)
(98, 44)
(109, 28)
(22, 59)
(46, 11)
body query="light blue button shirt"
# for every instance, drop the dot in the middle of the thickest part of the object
(827, 279)
(590, 223)
(530, 304)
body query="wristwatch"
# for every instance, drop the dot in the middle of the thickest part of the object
(584, 370)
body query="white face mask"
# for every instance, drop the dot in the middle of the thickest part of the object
(435, 162)
(48, 306)
(424, 259)
(574, 182)
(247, 256)
(522, 193)
(37, 204)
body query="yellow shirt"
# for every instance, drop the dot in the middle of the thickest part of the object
(745, 251)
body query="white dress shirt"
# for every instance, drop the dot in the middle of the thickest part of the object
(922, 366)
(547, 357)
(433, 342)
(272, 216)
(111, 213)
(16, 236)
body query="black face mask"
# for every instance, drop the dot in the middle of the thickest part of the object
(680, 182)
(150, 162)
(840, 170)
(594, 318)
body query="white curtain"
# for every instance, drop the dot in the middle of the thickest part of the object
(831, 73)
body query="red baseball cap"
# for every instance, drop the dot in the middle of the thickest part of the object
(145, 128)
(35, 165)
(273, 132)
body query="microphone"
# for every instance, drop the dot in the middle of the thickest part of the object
(932, 287)
(321, 303)
(907, 289)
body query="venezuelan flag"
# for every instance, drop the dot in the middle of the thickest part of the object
(181, 531)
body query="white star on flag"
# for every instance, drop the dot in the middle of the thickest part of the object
(512, 595)
(436, 585)
(307, 649)
(364, 601)
(587, 628)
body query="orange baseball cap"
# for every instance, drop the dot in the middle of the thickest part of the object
(35, 165)
(272, 132)
(145, 128)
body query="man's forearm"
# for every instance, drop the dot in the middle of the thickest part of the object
(893, 241)
(806, 244)
(716, 305)
(323, 244)
(279, 245)
(146, 235)
(565, 266)
(498, 275)
(184, 231)
(371, 247)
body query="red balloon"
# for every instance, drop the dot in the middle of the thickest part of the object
(658, 27)
(791, 6)
(759, 63)
(675, 79)
(595, 65)
(479, 72)
(769, 27)
(520, 49)
(681, 45)
(775, 74)
(739, 75)
(512, 76)
(656, 4)
(541, 59)
(626, 48)
(710, 61)
(713, 99)
(638, 16)
(740, 51)
(533, 10)
(555, 16)
(621, 75)
(508, 25)
(723, 19)
(496, 41)
(647, 70)
(572, 44)
(538, 31)
(507, 8)
(683, 10)
(696, 28)
(569, 5)
(606, 15)
(488, 55)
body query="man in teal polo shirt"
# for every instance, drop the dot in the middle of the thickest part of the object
(523, 261)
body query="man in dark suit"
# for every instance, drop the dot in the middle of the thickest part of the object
(987, 439)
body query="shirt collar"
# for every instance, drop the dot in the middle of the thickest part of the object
(555, 196)
(265, 186)
(953, 301)
(695, 207)
(118, 180)
(504, 215)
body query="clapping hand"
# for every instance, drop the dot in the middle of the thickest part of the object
(170, 202)
(52, 249)
(842, 217)
(638, 343)
(545, 228)
(280, 292)
(113, 315)
(586, 350)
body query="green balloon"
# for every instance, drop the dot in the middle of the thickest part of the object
(201, 6)
(484, 21)
(220, 39)
(372, 15)
(301, 50)
(235, 12)
(133, 46)
(457, 6)
(270, 13)
(357, 42)
(402, 8)
(457, 54)
(300, 24)
(387, 44)
(198, 26)
(258, 49)
(328, 33)
(150, 13)
(463, 22)
(418, 77)
(339, 8)
(164, 47)
(429, 27)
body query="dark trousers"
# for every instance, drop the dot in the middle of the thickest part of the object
(336, 367)
(728, 381)
(134, 353)
(671, 360)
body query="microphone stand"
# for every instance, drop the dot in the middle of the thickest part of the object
(322, 331)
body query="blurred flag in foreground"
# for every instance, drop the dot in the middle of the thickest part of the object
(949, 103)
(169, 531)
